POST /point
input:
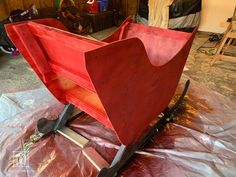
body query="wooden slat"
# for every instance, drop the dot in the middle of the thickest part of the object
(76, 111)
(74, 137)
(90, 153)
(231, 35)
(229, 49)
(96, 159)
(225, 46)
(227, 58)
(234, 25)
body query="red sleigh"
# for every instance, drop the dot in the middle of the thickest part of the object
(124, 81)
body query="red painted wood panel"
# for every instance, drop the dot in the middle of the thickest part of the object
(124, 82)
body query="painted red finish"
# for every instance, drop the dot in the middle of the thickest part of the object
(124, 81)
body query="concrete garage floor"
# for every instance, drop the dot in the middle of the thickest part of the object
(220, 77)
(16, 75)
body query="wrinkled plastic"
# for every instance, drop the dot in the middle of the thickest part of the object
(200, 142)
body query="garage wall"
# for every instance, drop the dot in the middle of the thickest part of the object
(129, 7)
(6, 6)
(215, 13)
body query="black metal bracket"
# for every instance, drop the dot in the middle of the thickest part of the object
(46, 126)
(125, 153)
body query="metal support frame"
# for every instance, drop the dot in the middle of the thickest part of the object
(58, 125)
(124, 153)
(46, 126)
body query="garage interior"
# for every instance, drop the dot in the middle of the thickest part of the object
(199, 142)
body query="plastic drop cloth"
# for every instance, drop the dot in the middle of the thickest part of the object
(200, 142)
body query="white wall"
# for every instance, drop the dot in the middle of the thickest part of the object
(215, 13)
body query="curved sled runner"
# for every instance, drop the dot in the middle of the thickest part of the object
(124, 81)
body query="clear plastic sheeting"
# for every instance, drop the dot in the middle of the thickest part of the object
(200, 142)
(13, 103)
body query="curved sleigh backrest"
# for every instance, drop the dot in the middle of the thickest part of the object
(161, 44)
(124, 82)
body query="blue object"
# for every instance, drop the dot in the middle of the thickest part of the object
(103, 5)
